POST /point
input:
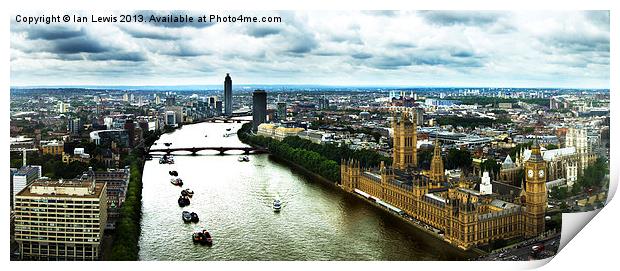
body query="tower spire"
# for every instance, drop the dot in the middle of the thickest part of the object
(437, 169)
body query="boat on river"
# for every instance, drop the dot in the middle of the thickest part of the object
(194, 217)
(244, 158)
(176, 181)
(173, 173)
(183, 201)
(166, 159)
(187, 217)
(203, 237)
(187, 193)
(277, 205)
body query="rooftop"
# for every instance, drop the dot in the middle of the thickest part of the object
(63, 188)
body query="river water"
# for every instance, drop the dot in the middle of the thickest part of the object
(234, 202)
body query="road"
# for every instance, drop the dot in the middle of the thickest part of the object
(522, 251)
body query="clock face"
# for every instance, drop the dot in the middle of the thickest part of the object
(530, 173)
(541, 173)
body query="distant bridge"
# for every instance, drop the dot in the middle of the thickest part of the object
(222, 150)
(225, 120)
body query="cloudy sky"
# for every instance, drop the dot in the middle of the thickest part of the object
(412, 48)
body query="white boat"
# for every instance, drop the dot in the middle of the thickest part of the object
(244, 158)
(176, 181)
(277, 205)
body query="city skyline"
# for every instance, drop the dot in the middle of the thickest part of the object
(424, 48)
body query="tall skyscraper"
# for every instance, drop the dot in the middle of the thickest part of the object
(259, 108)
(227, 95)
(74, 125)
(218, 108)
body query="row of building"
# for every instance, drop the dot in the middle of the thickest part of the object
(463, 216)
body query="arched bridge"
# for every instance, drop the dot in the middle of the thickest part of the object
(222, 150)
(225, 120)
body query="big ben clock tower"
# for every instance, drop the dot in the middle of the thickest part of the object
(535, 193)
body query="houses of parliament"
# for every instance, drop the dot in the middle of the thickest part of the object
(464, 216)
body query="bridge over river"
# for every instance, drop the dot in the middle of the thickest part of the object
(221, 150)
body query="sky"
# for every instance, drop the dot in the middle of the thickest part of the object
(567, 49)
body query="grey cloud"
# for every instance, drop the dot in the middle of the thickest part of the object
(301, 42)
(297, 37)
(390, 62)
(149, 34)
(74, 45)
(462, 53)
(430, 60)
(118, 56)
(262, 31)
(347, 39)
(53, 33)
(303, 45)
(578, 42)
(598, 17)
(402, 45)
(448, 18)
(327, 53)
(103, 56)
(306, 43)
(454, 62)
(361, 55)
(81, 44)
(425, 58)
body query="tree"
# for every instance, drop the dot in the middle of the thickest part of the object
(561, 193)
(513, 152)
(551, 146)
(424, 158)
(457, 158)
(470, 122)
(491, 166)
(555, 222)
(127, 233)
(594, 175)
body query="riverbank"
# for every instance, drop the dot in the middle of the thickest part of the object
(303, 170)
(127, 233)
(125, 239)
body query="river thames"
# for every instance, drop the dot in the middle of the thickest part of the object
(234, 199)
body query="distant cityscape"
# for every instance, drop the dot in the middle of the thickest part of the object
(490, 169)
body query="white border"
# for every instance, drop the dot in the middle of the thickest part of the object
(593, 248)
